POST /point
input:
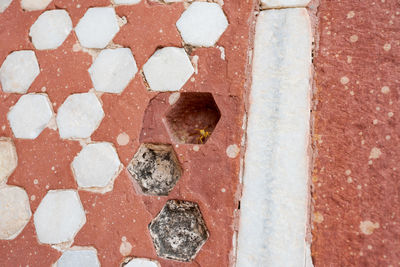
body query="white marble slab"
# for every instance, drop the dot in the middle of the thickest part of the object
(275, 195)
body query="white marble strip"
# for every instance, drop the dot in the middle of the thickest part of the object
(265, 4)
(275, 195)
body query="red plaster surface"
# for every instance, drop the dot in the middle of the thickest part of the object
(123, 211)
(350, 187)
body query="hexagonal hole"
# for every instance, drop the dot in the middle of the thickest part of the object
(178, 231)
(193, 118)
(155, 168)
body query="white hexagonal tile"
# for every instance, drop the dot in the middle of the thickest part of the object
(168, 69)
(79, 116)
(126, 2)
(202, 24)
(4, 4)
(139, 262)
(51, 29)
(15, 211)
(96, 166)
(32, 5)
(97, 27)
(112, 70)
(8, 158)
(30, 115)
(18, 71)
(59, 217)
(78, 257)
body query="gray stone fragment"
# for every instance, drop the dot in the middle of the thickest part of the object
(178, 231)
(155, 168)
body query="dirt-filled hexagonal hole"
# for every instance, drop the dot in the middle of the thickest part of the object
(193, 118)
(155, 168)
(178, 231)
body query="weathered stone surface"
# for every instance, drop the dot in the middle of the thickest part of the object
(155, 168)
(284, 3)
(138, 262)
(178, 231)
(33, 5)
(356, 178)
(78, 257)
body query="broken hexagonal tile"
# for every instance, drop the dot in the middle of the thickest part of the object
(192, 118)
(8, 158)
(96, 166)
(15, 211)
(112, 70)
(51, 29)
(178, 231)
(79, 116)
(78, 257)
(30, 115)
(202, 24)
(4, 4)
(97, 27)
(18, 71)
(59, 217)
(140, 262)
(32, 5)
(168, 69)
(155, 168)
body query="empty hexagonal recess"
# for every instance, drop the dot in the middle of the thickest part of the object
(15, 211)
(30, 115)
(97, 27)
(78, 257)
(8, 158)
(168, 69)
(178, 231)
(59, 217)
(202, 24)
(191, 113)
(32, 5)
(18, 71)
(155, 168)
(96, 167)
(112, 70)
(51, 29)
(79, 116)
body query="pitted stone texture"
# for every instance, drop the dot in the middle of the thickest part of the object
(4, 4)
(283, 3)
(30, 115)
(51, 29)
(96, 165)
(168, 69)
(8, 159)
(178, 231)
(155, 168)
(18, 71)
(126, 2)
(112, 70)
(75, 257)
(142, 263)
(79, 116)
(97, 27)
(202, 24)
(59, 217)
(15, 211)
(32, 5)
